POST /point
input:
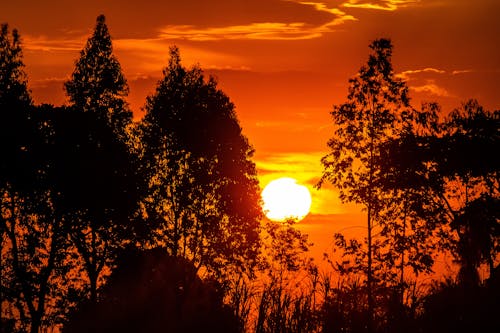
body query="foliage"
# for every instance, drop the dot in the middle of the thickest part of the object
(31, 237)
(469, 172)
(16, 129)
(95, 176)
(13, 81)
(466, 309)
(152, 291)
(97, 83)
(93, 180)
(203, 195)
(376, 114)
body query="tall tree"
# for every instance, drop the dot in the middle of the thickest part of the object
(375, 111)
(203, 193)
(97, 83)
(31, 237)
(92, 161)
(15, 103)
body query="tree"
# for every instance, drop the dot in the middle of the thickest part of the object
(15, 102)
(32, 241)
(376, 111)
(97, 83)
(92, 164)
(203, 195)
(469, 172)
(451, 167)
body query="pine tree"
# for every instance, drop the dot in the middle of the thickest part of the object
(92, 163)
(13, 81)
(97, 83)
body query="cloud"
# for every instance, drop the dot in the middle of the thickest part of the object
(387, 5)
(406, 74)
(308, 165)
(431, 88)
(261, 30)
(45, 44)
(256, 31)
(462, 71)
(340, 16)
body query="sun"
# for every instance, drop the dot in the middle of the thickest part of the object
(283, 199)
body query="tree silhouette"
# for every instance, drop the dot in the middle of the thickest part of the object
(92, 163)
(15, 103)
(468, 170)
(31, 236)
(97, 83)
(411, 217)
(376, 110)
(203, 194)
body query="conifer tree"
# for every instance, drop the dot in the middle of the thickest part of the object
(92, 162)
(97, 83)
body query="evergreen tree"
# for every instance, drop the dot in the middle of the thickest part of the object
(97, 83)
(203, 194)
(92, 164)
(13, 81)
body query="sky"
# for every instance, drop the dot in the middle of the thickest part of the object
(284, 64)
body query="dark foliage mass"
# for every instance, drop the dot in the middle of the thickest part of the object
(151, 291)
(111, 225)
(203, 196)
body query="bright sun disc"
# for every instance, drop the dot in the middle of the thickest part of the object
(284, 198)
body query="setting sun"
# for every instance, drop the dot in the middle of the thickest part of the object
(284, 198)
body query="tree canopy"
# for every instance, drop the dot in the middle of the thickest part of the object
(203, 193)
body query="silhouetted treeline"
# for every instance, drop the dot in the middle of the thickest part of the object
(429, 183)
(119, 226)
(82, 184)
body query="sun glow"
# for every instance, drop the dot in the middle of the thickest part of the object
(284, 198)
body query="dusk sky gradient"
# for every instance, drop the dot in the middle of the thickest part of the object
(283, 63)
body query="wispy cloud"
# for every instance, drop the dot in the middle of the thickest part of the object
(340, 16)
(431, 88)
(387, 5)
(462, 71)
(261, 30)
(406, 74)
(305, 167)
(255, 31)
(45, 44)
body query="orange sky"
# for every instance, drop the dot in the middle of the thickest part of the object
(284, 63)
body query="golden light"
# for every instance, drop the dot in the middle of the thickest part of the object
(284, 199)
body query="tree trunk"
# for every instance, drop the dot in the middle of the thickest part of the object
(369, 286)
(93, 288)
(402, 272)
(35, 323)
